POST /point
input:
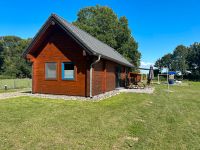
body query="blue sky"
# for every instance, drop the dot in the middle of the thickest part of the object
(157, 25)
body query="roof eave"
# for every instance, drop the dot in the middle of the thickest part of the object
(57, 20)
(33, 41)
(43, 29)
(118, 62)
(90, 51)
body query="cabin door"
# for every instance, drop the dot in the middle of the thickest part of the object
(118, 76)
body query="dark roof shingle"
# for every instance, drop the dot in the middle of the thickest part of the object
(95, 46)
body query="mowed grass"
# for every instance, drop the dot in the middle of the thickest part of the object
(127, 121)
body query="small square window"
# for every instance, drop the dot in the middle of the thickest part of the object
(68, 71)
(50, 70)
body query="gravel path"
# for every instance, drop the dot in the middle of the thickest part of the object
(146, 90)
(12, 94)
(64, 97)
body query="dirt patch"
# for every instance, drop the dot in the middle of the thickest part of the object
(125, 142)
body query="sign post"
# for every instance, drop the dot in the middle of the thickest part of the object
(167, 78)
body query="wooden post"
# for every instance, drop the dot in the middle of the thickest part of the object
(14, 84)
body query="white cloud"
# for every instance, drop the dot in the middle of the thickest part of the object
(145, 65)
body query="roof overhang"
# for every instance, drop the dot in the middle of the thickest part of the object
(54, 20)
(51, 22)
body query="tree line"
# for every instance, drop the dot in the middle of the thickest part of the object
(99, 21)
(184, 59)
(12, 65)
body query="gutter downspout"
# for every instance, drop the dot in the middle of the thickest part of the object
(91, 67)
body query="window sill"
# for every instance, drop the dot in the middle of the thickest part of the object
(51, 79)
(69, 79)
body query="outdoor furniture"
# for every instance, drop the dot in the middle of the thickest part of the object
(150, 76)
(135, 81)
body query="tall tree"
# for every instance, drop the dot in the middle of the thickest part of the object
(127, 46)
(193, 58)
(165, 61)
(176, 61)
(183, 59)
(179, 61)
(1, 54)
(103, 23)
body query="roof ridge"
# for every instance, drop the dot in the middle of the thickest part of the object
(89, 42)
(90, 35)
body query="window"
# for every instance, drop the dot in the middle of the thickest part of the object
(50, 70)
(68, 71)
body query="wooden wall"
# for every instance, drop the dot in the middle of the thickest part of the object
(59, 47)
(98, 78)
(104, 76)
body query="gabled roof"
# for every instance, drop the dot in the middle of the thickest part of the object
(90, 43)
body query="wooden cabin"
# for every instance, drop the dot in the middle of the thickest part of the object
(68, 61)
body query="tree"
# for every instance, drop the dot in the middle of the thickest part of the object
(12, 64)
(102, 23)
(193, 59)
(165, 61)
(183, 59)
(1, 55)
(179, 58)
(126, 43)
(176, 61)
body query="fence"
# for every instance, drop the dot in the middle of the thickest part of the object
(15, 83)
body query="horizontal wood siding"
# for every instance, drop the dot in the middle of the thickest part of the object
(98, 78)
(123, 76)
(59, 47)
(104, 76)
(110, 76)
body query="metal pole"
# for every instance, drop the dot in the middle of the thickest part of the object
(168, 79)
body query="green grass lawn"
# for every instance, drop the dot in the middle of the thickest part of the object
(126, 121)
